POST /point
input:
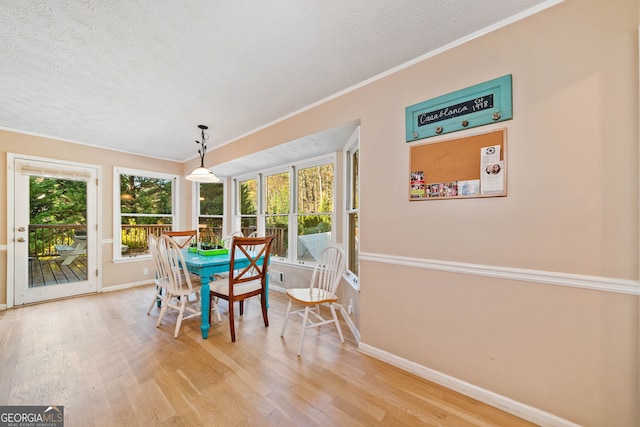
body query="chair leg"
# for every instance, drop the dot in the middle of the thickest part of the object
(232, 325)
(335, 319)
(156, 300)
(163, 309)
(304, 328)
(183, 304)
(265, 316)
(241, 304)
(213, 306)
(286, 319)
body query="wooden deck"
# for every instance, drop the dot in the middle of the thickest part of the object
(50, 271)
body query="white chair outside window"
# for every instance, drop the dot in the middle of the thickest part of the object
(325, 281)
(68, 253)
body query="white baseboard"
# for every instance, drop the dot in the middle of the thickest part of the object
(3, 307)
(503, 403)
(277, 288)
(126, 286)
(347, 318)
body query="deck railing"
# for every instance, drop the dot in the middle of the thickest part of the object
(43, 238)
(134, 236)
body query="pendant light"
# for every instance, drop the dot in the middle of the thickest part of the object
(202, 174)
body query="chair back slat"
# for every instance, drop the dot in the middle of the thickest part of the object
(253, 249)
(182, 238)
(162, 276)
(329, 270)
(171, 255)
(227, 241)
(244, 281)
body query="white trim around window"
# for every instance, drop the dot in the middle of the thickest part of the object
(292, 169)
(117, 217)
(352, 146)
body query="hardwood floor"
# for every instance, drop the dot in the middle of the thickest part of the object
(102, 358)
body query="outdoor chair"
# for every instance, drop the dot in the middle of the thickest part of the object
(68, 253)
(325, 281)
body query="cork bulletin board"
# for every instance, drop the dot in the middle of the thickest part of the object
(467, 167)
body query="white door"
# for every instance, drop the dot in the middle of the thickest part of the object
(54, 237)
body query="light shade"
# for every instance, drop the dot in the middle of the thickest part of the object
(202, 174)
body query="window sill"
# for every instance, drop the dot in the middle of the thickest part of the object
(353, 282)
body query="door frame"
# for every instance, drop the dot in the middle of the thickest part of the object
(97, 242)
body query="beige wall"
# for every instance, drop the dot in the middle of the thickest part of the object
(572, 208)
(120, 274)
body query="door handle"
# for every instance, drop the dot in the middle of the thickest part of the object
(21, 239)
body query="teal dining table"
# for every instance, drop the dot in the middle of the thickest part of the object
(206, 266)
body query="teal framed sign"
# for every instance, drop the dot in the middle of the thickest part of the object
(479, 105)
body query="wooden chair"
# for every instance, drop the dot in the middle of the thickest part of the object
(183, 238)
(325, 281)
(162, 276)
(183, 291)
(244, 282)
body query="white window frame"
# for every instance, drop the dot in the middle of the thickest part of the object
(352, 146)
(236, 215)
(262, 218)
(195, 223)
(292, 167)
(293, 222)
(117, 217)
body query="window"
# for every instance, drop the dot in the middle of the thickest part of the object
(314, 211)
(247, 208)
(294, 203)
(145, 203)
(352, 205)
(211, 209)
(276, 213)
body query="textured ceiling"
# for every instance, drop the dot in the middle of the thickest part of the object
(140, 75)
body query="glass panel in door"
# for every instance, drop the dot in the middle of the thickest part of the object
(57, 231)
(54, 246)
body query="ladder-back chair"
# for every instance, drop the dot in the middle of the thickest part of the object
(244, 282)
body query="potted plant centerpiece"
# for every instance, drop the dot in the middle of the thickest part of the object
(212, 246)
